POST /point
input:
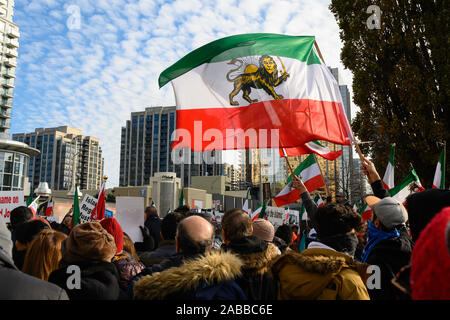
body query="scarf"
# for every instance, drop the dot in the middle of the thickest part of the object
(375, 236)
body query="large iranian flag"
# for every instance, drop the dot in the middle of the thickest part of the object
(311, 176)
(388, 179)
(439, 175)
(409, 185)
(255, 91)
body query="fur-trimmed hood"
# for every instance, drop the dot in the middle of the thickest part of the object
(320, 274)
(214, 267)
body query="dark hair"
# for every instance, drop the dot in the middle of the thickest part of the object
(236, 224)
(169, 225)
(284, 232)
(189, 245)
(184, 210)
(20, 215)
(151, 211)
(334, 219)
(26, 232)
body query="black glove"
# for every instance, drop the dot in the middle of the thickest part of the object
(148, 244)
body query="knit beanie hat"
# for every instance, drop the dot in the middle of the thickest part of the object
(88, 241)
(113, 227)
(430, 261)
(263, 229)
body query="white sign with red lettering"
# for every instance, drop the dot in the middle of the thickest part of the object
(10, 200)
(86, 207)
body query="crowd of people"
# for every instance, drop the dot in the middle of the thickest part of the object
(403, 252)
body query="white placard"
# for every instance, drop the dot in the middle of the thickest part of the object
(86, 207)
(53, 219)
(276, 216)
(10, 200)
(130, 215)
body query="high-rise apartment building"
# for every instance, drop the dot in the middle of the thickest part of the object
(9, 38)
(146, 149)
(14, 155)
(67, 158)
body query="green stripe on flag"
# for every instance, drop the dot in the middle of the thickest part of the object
(243, 45)
(391, 156)
(309, 161)
(76, 209)
(409, 178)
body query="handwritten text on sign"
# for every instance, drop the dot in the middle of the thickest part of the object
(86, 207)
(10, 200)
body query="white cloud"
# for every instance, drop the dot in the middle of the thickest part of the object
(94, 77)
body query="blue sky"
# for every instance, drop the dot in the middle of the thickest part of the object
(91, 73)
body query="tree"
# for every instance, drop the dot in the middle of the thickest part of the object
(400, 79)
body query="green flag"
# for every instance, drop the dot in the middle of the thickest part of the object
(153, 204)
(76, 209)
(30, 198)
(181, 201)
(262, 215)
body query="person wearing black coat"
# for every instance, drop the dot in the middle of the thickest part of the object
(256, 254)
(16, 285)
(153, 223)
(86, 272)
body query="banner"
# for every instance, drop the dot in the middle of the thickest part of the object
(10, 200)
(130, 215)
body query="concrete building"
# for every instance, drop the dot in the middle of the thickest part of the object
(165, 194)
(67, 157)
(14, 155)
(146, 149)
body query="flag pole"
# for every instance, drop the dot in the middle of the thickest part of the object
(287, 162)
(321, 173)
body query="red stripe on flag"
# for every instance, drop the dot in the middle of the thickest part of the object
(290, 197)
(314, 183)
(298, 121)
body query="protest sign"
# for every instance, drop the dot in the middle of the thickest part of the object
(86, 207)
(275, 215)
(10, 200)
(130, 215)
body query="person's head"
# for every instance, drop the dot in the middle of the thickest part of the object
(340, 197)
(151, 212)
(337, 226)
(183, 210)
(294, 229)
(113, 227)
(194, 235)
(285, 232)
(26, 232)
(263, 229)
(236, 224)
(128, 246)
(423, 206)
(43, 254)
(20, 215)
(388, 213)
(67, 221)
(169, 225)
(88, 242)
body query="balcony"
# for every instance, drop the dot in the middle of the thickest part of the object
(12, 43)
(8, 93)
(8, 83)
(11, 62)
(11, 53)
(12, 32)
(9, 73)
(5, 114)
(4, 123)
(6, 103)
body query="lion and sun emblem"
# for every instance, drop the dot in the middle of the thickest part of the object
(265, 76)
